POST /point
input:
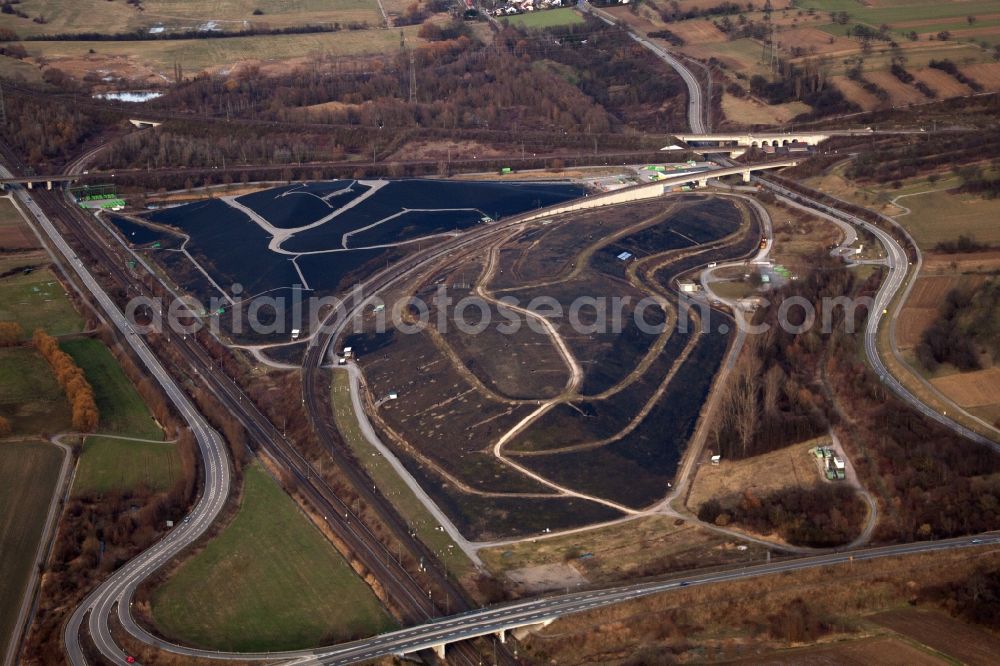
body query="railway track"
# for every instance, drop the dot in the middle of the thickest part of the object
(406, 593)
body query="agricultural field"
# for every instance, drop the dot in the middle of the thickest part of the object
(270, 581)
(122, 410)
(30, 294)
(30, 398)
(926, 13)
(14, 232)
(930, 210)
(101, 16)
(112, 464)
(809, 33)
(977, 388)
(752, 112)
(546, 19)
(579, 405)
(28, 475)
(944, 216)
(860, 652)
(982, 263)
(151, 62)
(938, 631)
(923, 306)
(37, 300)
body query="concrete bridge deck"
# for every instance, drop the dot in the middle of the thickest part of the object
(31, 181)
(659, 188)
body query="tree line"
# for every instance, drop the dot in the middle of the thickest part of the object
(461, 83)
(772, 398)
(528, 90)
(97, 534)
(143, 34)
(931, 482)
(48, 131)
(825, 516)
(906, 157)
(967, 327)
(670, 12)
(807, 83)
(975, 181)
(10, 333)
(72, 380)
(951, 68)
(975, 599)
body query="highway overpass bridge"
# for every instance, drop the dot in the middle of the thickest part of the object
(31, 181)
(737, 143)
(657, 188)
(497, 620)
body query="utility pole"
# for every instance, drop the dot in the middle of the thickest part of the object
(3, 108)
(774, 54)
(413, 80)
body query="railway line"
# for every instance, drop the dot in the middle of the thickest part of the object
(403, 587)
(406, 593)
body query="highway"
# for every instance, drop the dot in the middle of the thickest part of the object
(211, 446)
(471, 623)
(697, 111)
(536, 611)
(408, 594)
(898, 265)
(455, 628)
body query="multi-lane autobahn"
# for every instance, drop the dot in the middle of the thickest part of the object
(696, 110)
(410, 596)
(119, 589)
(211, 446)
(540, 610)
(898, 265)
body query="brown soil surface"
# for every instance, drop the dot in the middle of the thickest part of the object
(882, 650)
(971, 389)
(964, 642)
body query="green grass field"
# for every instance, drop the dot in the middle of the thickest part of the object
(122, 410)
(11, 218)
(746, 52)
(120, 464)
(388, 481)
(547, 18)
(270, 581)
(940, 216)
(102, 16)
(903, 10)
(29, 395)
(28, 475)
(195, 55)
(38, 300)
(935, 214)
